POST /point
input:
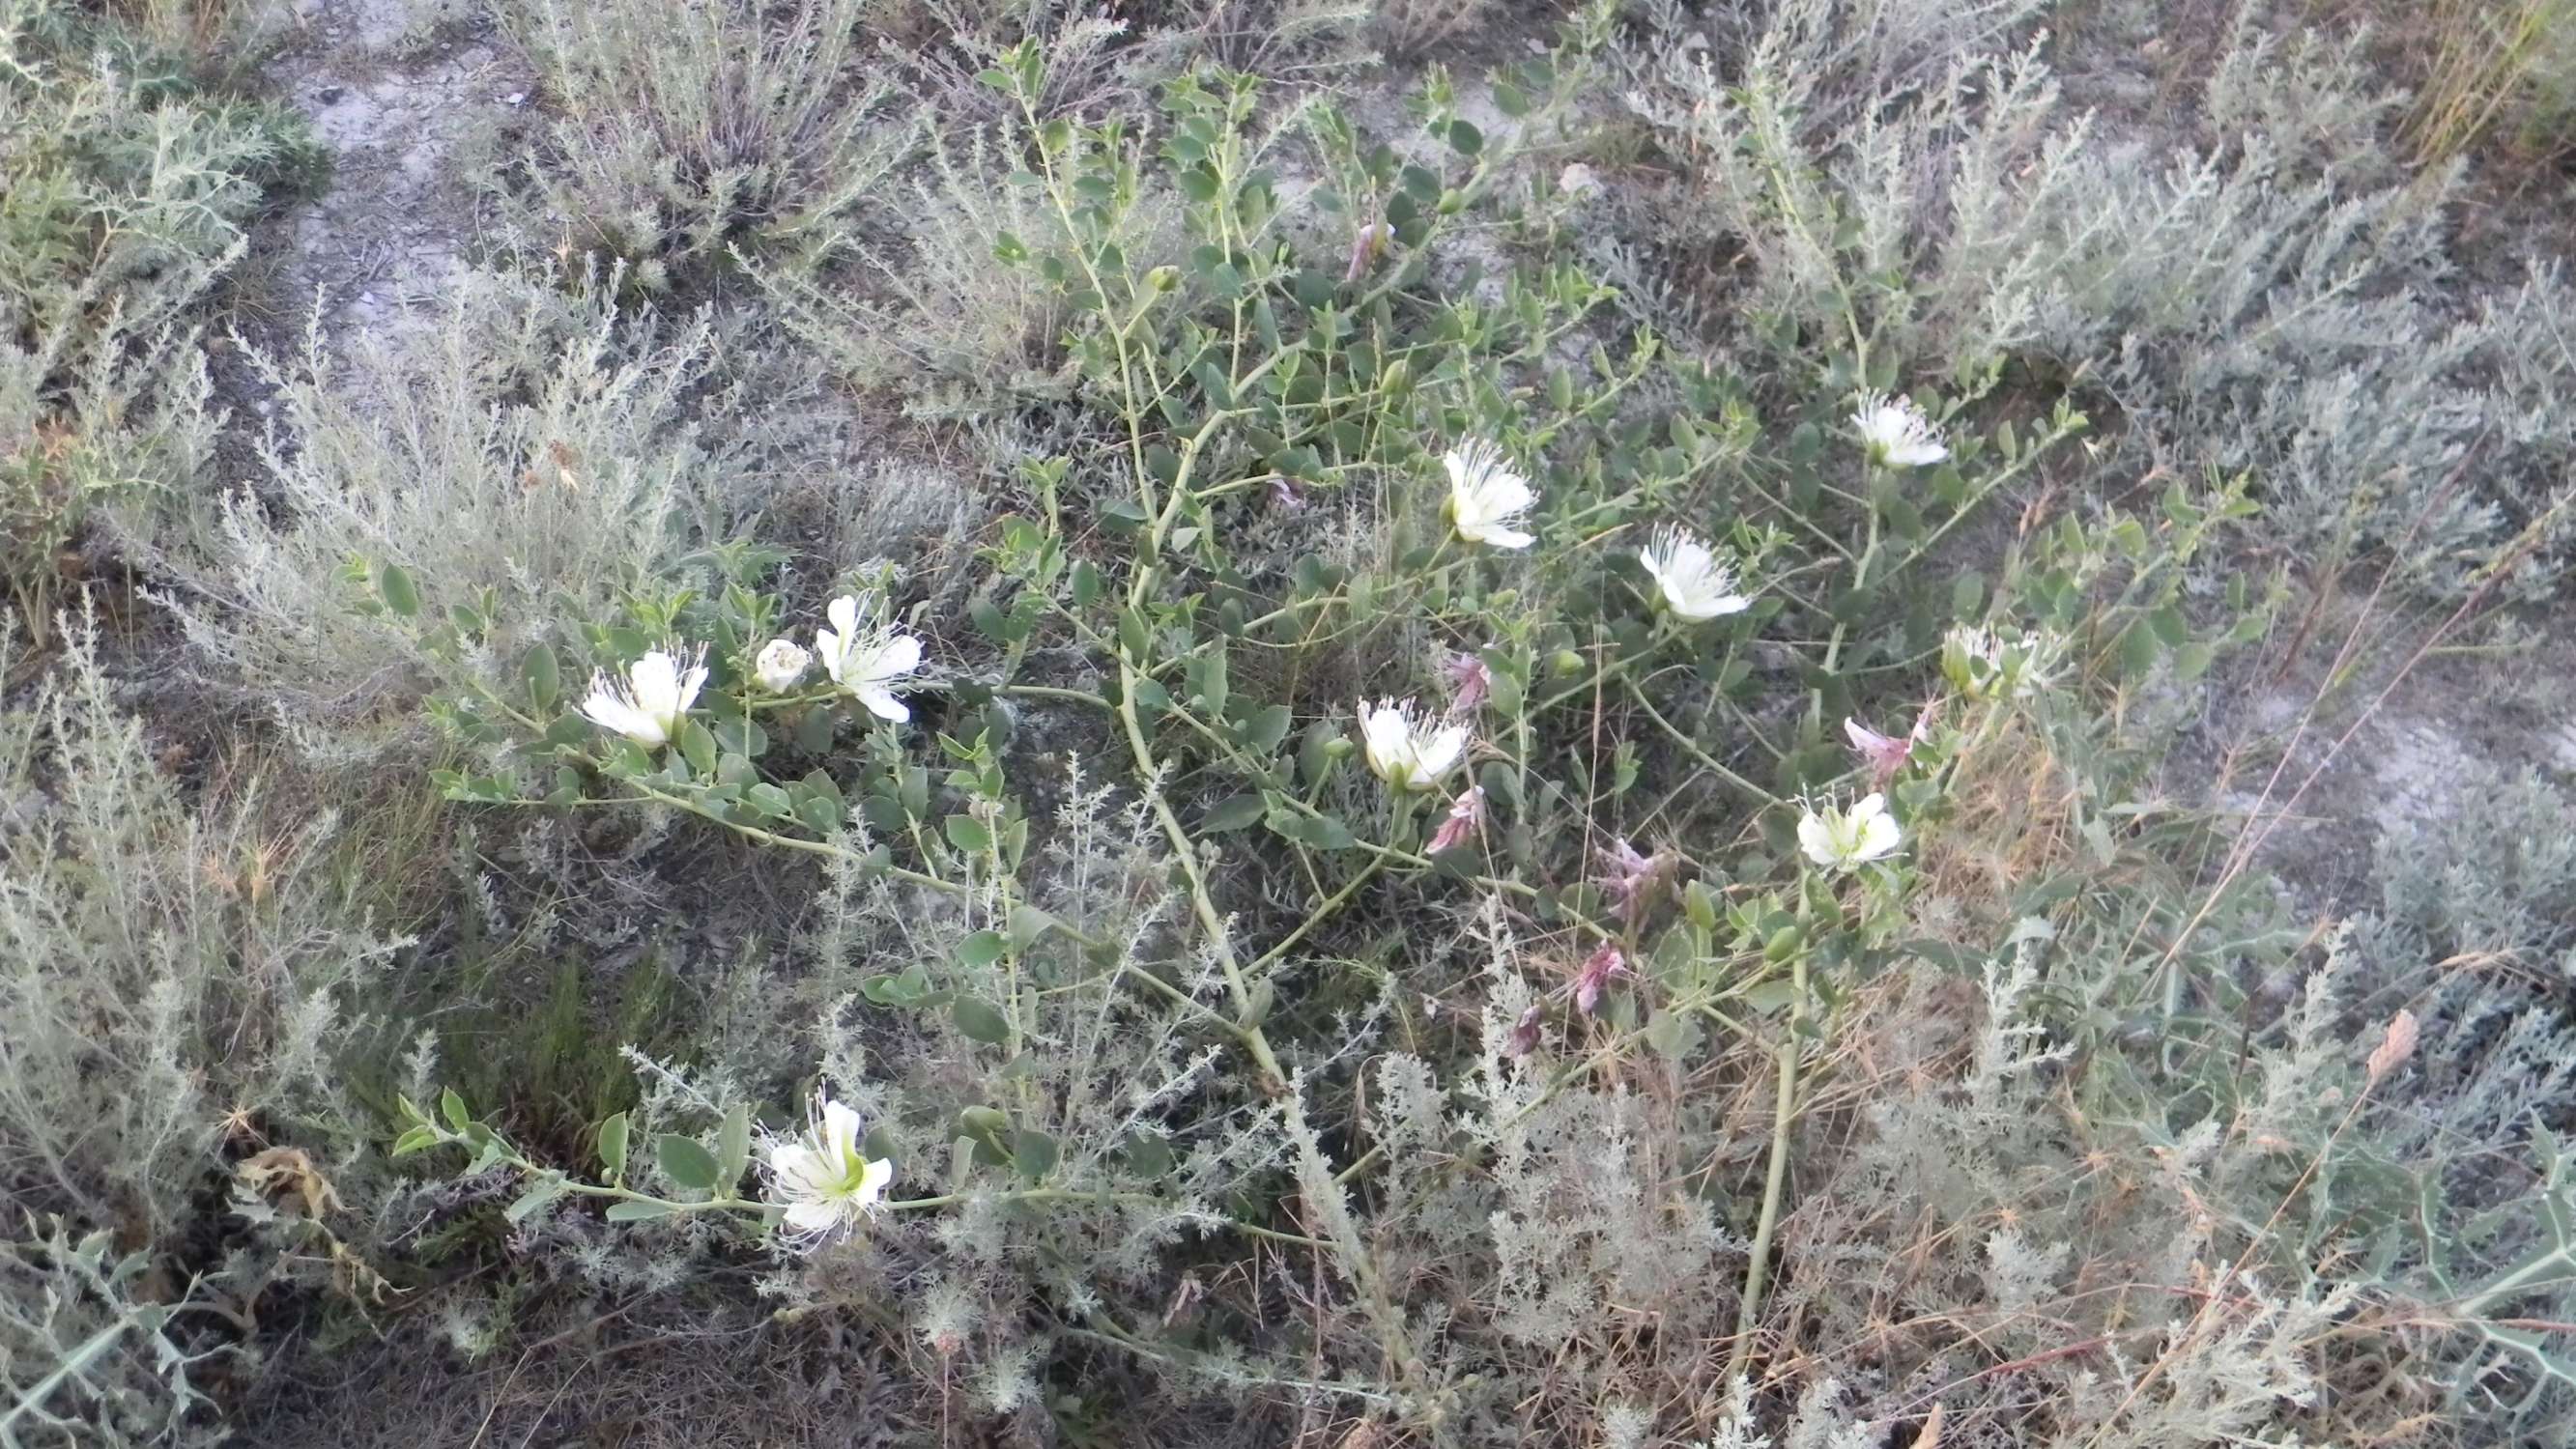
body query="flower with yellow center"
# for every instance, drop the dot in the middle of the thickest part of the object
(825, 1178)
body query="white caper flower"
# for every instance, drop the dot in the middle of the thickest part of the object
(1839, 839)
(824, 1178)
(781, 663)
(1982, 664)
(648, 706)
(1896, 434)
(867, 657)
(1694, 584)
(1408, 752)
(1485, 496)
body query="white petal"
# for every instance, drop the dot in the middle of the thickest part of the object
(800, 1173)
(1496, 536)
(874, 1181)
(1436, 758)
(844, 614)
(1505, 494)
(881, 702)
(655, 678)
(899, 655)
(814, 1216)
(1817, 839)
(787, 1159)
(840, 1132)
(610, 712)
(1878, 836)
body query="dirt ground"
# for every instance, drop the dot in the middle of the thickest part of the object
(395, 89)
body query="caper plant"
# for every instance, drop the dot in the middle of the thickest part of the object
(1392, 593)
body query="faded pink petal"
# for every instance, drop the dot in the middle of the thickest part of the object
(1524, 1037)
(1884, 755)
(1470, 678)
(1366, 244)
(1595, 975)
(1630, 879)
(1466, 820)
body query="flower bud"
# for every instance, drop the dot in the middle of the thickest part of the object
(780, 665)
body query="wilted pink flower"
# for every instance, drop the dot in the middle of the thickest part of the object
(1630, 879)
(1286, 496)
(1595, 974)
(1365, 247)
(1524, 1037)
(1470, 678)
(1883, 755)
(1466, 819)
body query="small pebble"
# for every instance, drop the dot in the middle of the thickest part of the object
(330, 95)
(515, 98)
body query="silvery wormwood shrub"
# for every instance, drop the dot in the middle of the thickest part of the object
(2255, 289)
(1447, 672)
(125, 194)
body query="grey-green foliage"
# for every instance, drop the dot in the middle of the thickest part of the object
(532, 445)
(162, 960)
(893, 1005)
(916, 298)
(90, 1352)
(2475, 931)
(166, 958)
(2255, 283)
(124, 194)
(677, 132)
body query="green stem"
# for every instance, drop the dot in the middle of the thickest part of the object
(1691, 747)
(1320, 914)
(1185, 851)
(1122, 1199)
(1784, 1110)
(1834, 644)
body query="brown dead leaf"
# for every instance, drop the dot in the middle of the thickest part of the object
(290, 1182)
(2395, 1047)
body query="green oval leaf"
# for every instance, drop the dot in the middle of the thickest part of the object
(612, 1145)
(733, 1146)
(543, 677)
(698, 747)
(394, 585)
(685, 1162)
(1234, 813)
(980, 1021)
(547, 1189)
(968, 834)
(1034, 1153)
(638, 1211)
